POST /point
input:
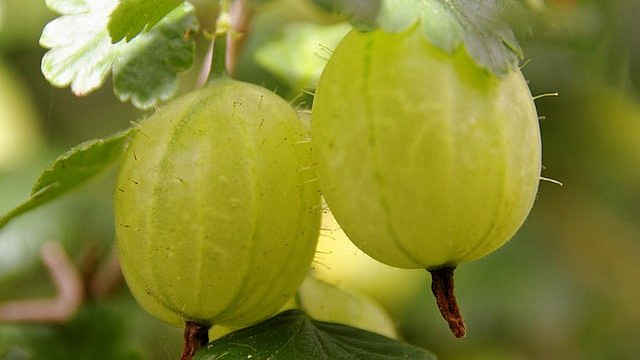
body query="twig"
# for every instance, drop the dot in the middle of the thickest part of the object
(205, 68)
(69, 287)
(240, 17)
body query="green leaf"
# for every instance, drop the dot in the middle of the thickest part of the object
(482, 27)
(484, 30)
(146, 72)
(293, 335)
(131, 17)
(81, 53)
(71, 169)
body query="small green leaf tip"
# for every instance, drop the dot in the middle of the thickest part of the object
(71, 169)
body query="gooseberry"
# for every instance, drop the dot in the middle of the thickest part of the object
(216, 207)
(426, 159)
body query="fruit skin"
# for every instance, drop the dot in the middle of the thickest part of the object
(425, 159)
(216, 207)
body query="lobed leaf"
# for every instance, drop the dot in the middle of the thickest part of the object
(146, 72)
(480, 26)
(81, 53)
(293, 335)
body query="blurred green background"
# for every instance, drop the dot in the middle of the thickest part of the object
(566, 287)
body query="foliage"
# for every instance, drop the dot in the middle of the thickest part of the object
(71, 169)
(558, 267)
(131, 17)
(480, 26)
(293, 335)
(82, 53)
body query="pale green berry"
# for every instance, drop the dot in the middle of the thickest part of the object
(426, 159)
(216, 207)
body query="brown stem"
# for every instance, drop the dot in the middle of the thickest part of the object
(240, 21)
(69, 288)
(442, 288)
(195, 337)
(205, 69)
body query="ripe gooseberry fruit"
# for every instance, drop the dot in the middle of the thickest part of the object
(425, 159)
(215, 207)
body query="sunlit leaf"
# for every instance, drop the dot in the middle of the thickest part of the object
(81, 53)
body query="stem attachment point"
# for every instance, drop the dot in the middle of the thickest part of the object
(196, 336)
(442, 287)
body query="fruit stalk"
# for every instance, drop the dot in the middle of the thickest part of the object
(223, 27)
(195, 337)
(442, 287)
(240, 17)
(218, 62)
(426, 159)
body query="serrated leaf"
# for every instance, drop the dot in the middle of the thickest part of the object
(293, 335)
(81, 53)
(71, 169)
(487, 36)
(479, 26)
(131, 17)
(146, 72)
